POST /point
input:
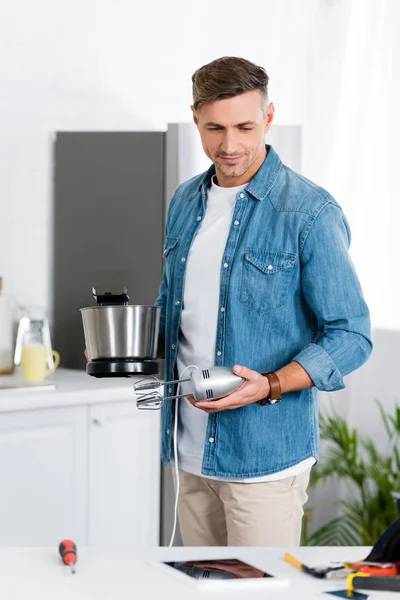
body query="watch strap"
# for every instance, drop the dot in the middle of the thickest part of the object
(275, 393)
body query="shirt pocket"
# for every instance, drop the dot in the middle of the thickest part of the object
(265, 279)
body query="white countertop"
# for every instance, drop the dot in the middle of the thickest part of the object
(39, 573)
(74, 388)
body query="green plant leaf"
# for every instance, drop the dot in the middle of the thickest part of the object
(371, 477)
(338, 532)
(385, 418)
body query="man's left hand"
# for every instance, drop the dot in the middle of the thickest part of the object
(254, 388)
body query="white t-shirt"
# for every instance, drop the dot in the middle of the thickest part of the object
(199, 324)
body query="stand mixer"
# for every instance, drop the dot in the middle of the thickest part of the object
(121, 341)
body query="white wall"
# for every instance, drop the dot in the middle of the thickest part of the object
(112, 65)
(352, 127)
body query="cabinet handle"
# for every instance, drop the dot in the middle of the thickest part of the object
(96, 421)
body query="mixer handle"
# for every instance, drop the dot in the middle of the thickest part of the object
(110, 299)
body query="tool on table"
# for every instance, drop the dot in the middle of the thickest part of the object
(67, 550)
(364, 581)
(382, 561)
(344, 569)
(385, 549)
(206, 385)
(379, 571)
(368, 568)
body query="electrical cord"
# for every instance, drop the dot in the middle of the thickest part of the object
(177, 482)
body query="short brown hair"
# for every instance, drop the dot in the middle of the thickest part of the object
(227, 77)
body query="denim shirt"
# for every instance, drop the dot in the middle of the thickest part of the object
(289, 293)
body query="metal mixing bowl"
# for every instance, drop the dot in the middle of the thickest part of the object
(121, 332)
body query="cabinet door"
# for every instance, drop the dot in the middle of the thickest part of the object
(43, 474)
(124, 476)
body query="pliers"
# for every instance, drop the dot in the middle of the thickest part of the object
(342, 570)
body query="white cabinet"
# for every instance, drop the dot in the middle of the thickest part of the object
(89, 472)
(43, 476)
(124, 475)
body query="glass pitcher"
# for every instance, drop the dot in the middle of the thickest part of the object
(33, 348)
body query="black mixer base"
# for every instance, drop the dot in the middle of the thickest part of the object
(122, 368)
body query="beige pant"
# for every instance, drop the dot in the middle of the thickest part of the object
(220, 513)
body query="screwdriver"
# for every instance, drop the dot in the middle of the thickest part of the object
(67, 550)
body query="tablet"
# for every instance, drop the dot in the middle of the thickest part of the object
(221, 573)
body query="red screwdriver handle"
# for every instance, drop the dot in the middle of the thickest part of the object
(67, 550)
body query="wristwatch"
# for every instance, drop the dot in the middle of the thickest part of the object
(275, 394)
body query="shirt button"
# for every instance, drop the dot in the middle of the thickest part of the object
(236, 222)
(167, 431)
(199, 218)
(170, 390)
(226, 265)
(222, 309)
(177, 303)
(270, 267)
(211, 440)
(173, 346)
(219, 353)
(241, 195)
(183, 259)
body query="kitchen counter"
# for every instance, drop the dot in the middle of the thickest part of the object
(73, 388)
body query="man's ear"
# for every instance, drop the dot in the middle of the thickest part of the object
(269, 117)
(195, 117)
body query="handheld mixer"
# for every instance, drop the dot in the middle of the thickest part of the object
(207, 385)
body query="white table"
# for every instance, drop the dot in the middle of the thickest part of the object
(39, 573)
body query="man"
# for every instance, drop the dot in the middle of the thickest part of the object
(258, 278)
